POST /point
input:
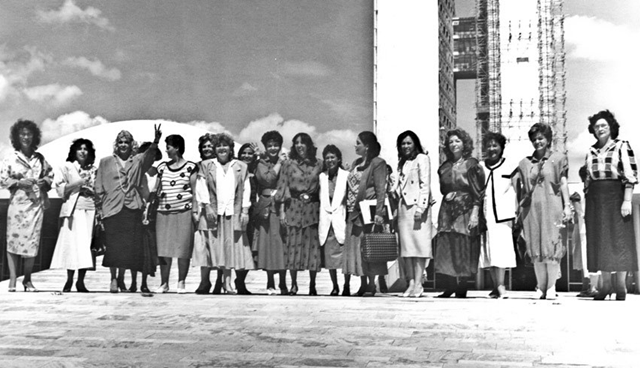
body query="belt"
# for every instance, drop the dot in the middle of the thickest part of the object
(306, 197)
(268, 192)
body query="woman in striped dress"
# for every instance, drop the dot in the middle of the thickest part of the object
(174, 228)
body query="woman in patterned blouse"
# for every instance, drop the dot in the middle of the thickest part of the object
(28, 176)
(612, 173)
(174, 228)
(74, 182)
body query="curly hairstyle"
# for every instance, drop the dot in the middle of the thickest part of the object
(271, 135)
(224, 139)
(330, 148)
(416, 143)
(145, 146)
(204, 139)
(75, 146)
(467, 143)
(607, 115)
(307, 141)
(541, 128)
(176, 141)
(30, 126)
(497, 137)
(129, 137)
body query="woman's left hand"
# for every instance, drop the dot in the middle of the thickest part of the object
(473, 222)
(244, 220)
(567, 214)
(378, 220)
(157, 133)
(417, 216)
(626, 209)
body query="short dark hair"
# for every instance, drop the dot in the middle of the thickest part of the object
(311, 148)
(271, 135)
(224, 139)
(416, 143)
(495, 136)
(543, 129)
(145, 146)
(467, 143)
(29, 125)
(609, 118)
(75, 146)
(204, 139)
(175, 140)
(330, 148)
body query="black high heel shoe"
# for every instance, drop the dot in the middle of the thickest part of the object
(203, 288)
(371, 290)
(346, 290)
(67, 286)
(80, 287)
(217, 288)
(28, 287)
(446, 294)
(312, 290)
(362, 290)
(602, 294)
(335, 291)
(122, 286)
(145, 289)
(241, 287)
(294, 290)
(133, 288)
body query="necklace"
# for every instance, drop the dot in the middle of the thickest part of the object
(120, 179)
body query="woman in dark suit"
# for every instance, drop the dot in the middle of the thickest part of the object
(367, 180)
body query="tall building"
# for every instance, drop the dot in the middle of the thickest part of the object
(520, 67)
(446, 82)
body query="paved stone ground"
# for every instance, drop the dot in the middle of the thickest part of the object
(126, 330)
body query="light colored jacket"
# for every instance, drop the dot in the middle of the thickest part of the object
(499, 182)
(67, 173)
(414, 182)
(333, 212)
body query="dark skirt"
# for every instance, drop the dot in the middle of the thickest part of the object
(123, 237)
(268, 242)
(457, 254)
(610, 237)
(150, 249)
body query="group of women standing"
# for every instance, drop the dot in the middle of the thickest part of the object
(299, 212)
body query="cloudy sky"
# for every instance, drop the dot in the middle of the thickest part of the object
(240, 66)
(601, 43)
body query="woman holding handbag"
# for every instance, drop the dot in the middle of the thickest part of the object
(546, 208)
(457, 245)
(367, 180)
(331, 228)
(414, 209)
(174, 226)
(74, 181)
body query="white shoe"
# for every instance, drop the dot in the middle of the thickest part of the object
(539, 294)
(181, 289)
(164, 288)
(271, 291)
(551, 293)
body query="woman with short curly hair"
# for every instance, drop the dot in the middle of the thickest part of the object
(28, 177)
(457, 245)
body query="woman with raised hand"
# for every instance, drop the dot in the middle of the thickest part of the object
(120, 205)
(226, 203)
(298, 188)
(333, 212)
(545, 208)
(174, 225)
(497, 252)
(74, 182)
(414, 209)
(612, 172)
(268, 240)
(460, 221)
(367, 180)
(27, 176)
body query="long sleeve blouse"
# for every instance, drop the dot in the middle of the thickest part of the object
(614, 161)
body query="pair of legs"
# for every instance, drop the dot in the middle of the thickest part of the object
(117, 279)
(165, 270)
(415, 267)
(14, 260)
(497, 277)
(457, 285)
(271, 282)
(336, 289)
(294, 282)
(134, 283)
(607, 285)
(546, 275)
(79, 284)
(367, 285)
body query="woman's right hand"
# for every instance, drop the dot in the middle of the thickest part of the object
(283, 219)
(25, 183)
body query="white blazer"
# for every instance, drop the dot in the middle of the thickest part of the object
(414, 182)
(333, 212)
(66, 174)
(503, 208)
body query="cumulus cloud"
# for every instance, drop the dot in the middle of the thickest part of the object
(348, 111)
(311, 69)
(343, 139)
(53, 94)
(95, 67)
(17, 67)
(244, 90)
(596, 39)
(68, 123)
(69, 12)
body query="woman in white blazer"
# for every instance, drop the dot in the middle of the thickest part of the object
(496, 252)
(414, 209)
(333, 215)
(74, 181)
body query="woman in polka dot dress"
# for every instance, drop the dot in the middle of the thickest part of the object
(174, 228)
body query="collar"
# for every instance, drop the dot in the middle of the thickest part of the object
(607, 147)
(497, 165)
(546, 156)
